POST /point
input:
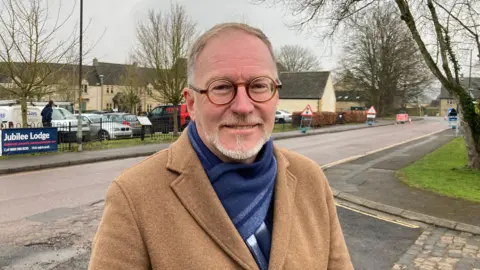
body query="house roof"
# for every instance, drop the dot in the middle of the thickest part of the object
(349, 96)
(303, 85)
(475, 88)
(112, 73)
(61, 71)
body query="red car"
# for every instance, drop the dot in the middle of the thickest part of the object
(162, 118)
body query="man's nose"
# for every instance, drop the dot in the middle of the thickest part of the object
(242, 104)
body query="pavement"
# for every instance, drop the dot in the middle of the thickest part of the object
(31, 163)
(371, 181)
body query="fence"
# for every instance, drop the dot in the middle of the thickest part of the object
(104, 132)
(321, 119)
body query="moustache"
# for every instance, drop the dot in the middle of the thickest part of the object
(241, 121)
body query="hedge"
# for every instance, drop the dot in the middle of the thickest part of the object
(321, 119)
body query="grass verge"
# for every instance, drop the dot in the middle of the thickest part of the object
(444, 171)
(284, 127)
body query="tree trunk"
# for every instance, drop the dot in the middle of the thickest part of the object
(23, 107)
(472, 144)
(175, 120)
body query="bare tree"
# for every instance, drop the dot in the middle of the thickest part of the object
(66, 88)
(30, 52)
(382, 59)
(297, 58)
(129, 96)
(163, 43)
(449, 23)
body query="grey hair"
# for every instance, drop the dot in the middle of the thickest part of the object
(201, 42)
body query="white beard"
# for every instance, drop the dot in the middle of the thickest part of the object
(239, 153)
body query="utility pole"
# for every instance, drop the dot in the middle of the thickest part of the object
(79, 123)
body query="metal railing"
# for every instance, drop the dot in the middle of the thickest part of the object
(104, 132)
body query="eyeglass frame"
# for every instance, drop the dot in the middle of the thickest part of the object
(277, 87)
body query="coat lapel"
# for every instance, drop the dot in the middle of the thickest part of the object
(197, 195)
(283, 211)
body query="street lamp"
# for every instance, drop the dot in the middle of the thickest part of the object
(79, 123)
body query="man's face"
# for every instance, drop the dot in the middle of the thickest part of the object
(235, 131)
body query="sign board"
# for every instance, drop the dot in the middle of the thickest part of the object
(307, 111)
(401, 117)
(28, 140)
(144, 121)
(371, 110)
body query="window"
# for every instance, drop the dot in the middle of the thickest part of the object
(157, 111)
(62, 114)
(451, 101)
(130, 118)
(149, 89)
(149, 107)
(111, 89)
(85, 88)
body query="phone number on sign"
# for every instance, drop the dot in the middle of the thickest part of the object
(16, 149)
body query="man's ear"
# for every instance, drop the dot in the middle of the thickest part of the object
(190, 101)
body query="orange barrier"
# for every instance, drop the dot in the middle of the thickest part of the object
(402, 117)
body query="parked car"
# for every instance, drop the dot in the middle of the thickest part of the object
(101, 128)
(282, 116)
(67, 125)
(128, 119)
(98, 112)
(69, 106)
(162, 118)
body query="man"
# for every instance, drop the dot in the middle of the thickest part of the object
(223, 196)
(47, 114)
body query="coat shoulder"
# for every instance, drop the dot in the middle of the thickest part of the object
(307, 172)
(298, 161)
(147, 175)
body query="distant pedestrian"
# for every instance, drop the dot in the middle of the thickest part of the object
(47, 114)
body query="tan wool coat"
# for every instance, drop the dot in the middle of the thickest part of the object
(163, 213)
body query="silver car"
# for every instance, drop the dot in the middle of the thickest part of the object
(104, 129)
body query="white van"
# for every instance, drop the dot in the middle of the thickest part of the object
(11, 116)
(58, 104)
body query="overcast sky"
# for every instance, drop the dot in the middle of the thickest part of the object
(116, 20)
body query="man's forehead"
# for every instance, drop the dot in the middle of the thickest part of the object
(236, 54)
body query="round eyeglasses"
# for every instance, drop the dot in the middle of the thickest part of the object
(221, 92)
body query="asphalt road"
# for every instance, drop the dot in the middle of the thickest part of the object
(30, 193)
(372, 243)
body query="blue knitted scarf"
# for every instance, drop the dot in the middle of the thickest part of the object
(245, 190)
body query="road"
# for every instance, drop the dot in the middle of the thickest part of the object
(30, 193)
(26, 194)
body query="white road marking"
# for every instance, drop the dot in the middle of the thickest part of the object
(345, 160)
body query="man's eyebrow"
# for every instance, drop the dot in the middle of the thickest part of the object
(230, 78)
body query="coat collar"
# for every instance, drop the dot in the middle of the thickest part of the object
(197, 195)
